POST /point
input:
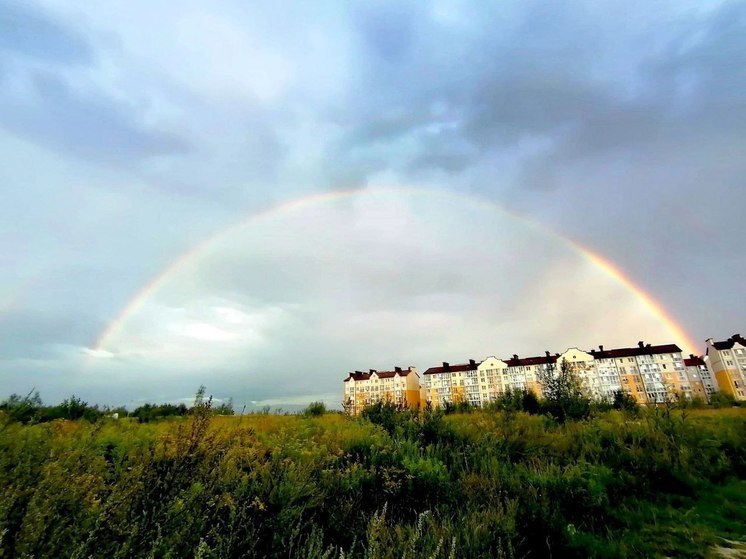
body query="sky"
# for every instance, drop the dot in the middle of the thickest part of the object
(262, 197)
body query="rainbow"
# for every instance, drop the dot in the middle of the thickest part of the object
(611, 270)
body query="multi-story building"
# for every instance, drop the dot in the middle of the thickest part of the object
(727, 361)
(613, 375)
(492, 379)
(400, 386)
(583, 364)
(451, 383)
(652, 374)
(700, 378)
(525, 373)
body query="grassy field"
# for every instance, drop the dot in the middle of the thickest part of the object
(658, 483)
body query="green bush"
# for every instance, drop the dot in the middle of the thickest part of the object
(315, 409)
(625, 401)
(720, 399)
(394, 483)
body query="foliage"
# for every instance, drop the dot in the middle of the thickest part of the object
(394, 483)
(30, 409)
(563, 393)
(625, 401)
(151, 412)
(225, 408)
(315, 409)
(721, 399)
(23, 409)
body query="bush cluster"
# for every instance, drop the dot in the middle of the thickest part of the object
(392, 483)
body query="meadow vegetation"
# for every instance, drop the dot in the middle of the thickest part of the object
(499, 482)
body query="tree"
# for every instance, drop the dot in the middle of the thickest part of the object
(23, 409)
(564, 397)
(225, 408)
(720, 399)
(625, 401)
(315, 409)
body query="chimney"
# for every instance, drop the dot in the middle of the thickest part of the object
(691, 356)
(397, 369)
(515, 356)
(371, 371)
(472, 363)
(446, 366)
(593, 352)
(641, 344)
(601, 348)
(547, 353)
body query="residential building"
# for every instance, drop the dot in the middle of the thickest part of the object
(524, 373)
(614, 375)
(493, 378)
(727, 361)
(651, 374)
(448, 383)
(400, 386)
(583, 365)
(700, 378)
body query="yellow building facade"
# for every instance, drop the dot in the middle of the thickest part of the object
(727, 361)
(650, 373)
(400, 387)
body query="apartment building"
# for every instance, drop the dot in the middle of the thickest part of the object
(700, 378)
(483, 382)
(448, 383)
(400, 386)
(524, 373)
(492, 378)
(613, 375)
(651, 374)
(583, 364)
(727, 361)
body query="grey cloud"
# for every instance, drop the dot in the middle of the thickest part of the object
(538, 80)
(26, 30)
(85, 126)
(387, 28)
(30, 333)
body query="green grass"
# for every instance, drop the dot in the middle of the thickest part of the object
(481, 484)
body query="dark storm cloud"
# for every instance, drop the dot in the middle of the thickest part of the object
(540, 79)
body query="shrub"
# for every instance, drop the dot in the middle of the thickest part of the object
(720, 399)
(23, 409)
(315, 409)
(624, 401)
(564, 397)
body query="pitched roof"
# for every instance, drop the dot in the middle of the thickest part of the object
(516, 361)
(359, 375)
(448, 368)
(730, 342)
(694, 361)
(641, 349)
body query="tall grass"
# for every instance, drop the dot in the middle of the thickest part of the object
(397, 484)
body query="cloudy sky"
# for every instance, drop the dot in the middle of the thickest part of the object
(289, 191)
